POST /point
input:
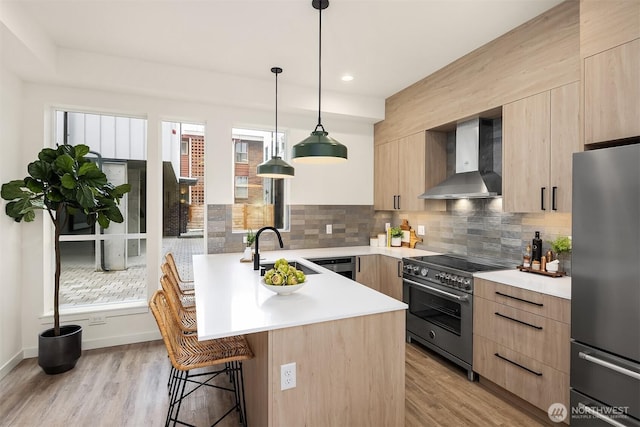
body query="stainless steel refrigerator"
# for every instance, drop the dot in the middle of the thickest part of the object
(605, 287)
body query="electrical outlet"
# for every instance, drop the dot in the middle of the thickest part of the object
(329, 229)
(244, 239)
(97, 319)
(288, 376)
(387, 226)
(421, 230)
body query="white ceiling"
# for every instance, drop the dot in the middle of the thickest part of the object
(385, 44)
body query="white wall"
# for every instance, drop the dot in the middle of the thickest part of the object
(348, 183)
(11, 167)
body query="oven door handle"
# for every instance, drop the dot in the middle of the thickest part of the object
(438, 291)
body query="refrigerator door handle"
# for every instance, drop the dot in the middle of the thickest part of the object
(599, 415)
(609, 365)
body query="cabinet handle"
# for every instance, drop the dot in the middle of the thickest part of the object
(398, 201)
(518, 365)
(519, 299)
(554, 192)
(542, 190)
(519, 321)
(399, 268)
(394, 201)
(359, 264)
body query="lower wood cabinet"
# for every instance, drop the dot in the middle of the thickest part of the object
(521, 342)
(381, 273)
(527, 378)
(390, 276)
(367, 271)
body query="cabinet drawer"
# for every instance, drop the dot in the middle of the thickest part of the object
(538, 337)
(529, 379)
(530, 301)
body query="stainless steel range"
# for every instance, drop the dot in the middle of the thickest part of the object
(439, 292)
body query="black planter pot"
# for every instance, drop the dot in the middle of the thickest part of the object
(59, 354)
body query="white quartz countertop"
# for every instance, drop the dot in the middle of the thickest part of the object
(395, 252)
(230, 299)
(555, 286)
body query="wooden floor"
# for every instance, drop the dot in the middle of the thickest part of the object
(126, 386)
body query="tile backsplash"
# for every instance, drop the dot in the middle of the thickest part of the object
(468, 227)
(478, 227)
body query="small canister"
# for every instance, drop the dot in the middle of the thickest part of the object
(373, 241)
(382, 240)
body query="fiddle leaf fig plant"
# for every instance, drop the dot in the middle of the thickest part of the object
(63, 182)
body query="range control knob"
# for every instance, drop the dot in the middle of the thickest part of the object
(467, 283)
(416, 269)
(424, 271)
(447, 278)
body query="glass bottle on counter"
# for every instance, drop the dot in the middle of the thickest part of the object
(536, 248)
(526, 256)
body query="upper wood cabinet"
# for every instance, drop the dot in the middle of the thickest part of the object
(612, 94)
(404, 168)
(539, 135)
(607, 24)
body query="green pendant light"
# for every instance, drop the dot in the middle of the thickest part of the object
(319, 147)
(275, 167)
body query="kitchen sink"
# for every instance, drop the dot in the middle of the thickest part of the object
(269, 265)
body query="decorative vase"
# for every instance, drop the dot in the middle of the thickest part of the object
(396, 241)
(58, 354)
(248, 254)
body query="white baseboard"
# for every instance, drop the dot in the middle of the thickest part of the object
(104, 342)
(12, 363)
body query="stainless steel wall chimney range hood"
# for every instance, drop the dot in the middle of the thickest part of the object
(474, 177)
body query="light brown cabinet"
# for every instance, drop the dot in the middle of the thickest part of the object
(390, 276)
(367, 271)
(381, 273)
(403, 169)
(539, 135)
(521, 342)
(612, 94)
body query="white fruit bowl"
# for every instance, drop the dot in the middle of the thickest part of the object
(283, 290)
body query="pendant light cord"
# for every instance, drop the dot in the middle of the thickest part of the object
(319, 125)
(276, 135)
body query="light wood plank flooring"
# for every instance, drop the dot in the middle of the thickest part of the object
(126, 386)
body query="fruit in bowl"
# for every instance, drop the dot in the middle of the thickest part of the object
(283, 278)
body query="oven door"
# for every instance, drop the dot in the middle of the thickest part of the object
(440, 318)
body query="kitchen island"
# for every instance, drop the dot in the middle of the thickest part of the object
(347, 342)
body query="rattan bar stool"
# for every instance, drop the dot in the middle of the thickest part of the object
(187, 298)
(186, 318)
(224, 355)
(186, 285)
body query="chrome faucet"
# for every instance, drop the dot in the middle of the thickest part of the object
(256, 256)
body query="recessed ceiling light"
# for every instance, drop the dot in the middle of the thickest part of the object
(347, 78)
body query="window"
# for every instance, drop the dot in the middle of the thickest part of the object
(258, 202)
(241, 152)
(104, 266)
(242, 187)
